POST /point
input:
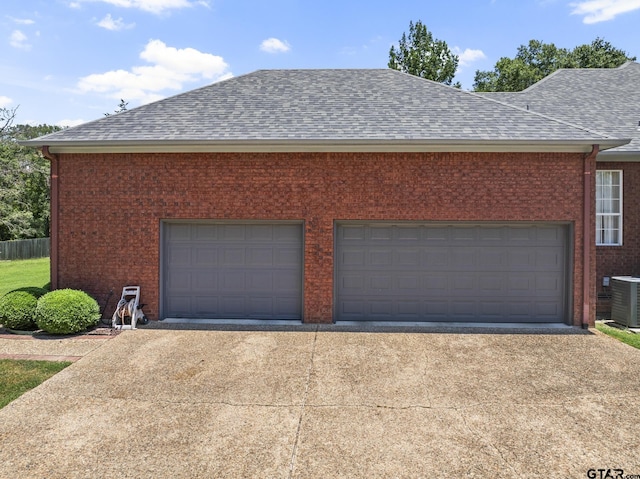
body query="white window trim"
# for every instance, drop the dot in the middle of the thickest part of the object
(620, 214)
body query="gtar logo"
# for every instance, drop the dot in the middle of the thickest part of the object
(605, 474)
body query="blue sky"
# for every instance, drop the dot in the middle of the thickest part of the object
(65, 62)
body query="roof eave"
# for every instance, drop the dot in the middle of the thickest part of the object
(617, 155)
(277, 146)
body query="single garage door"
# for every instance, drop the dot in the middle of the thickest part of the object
(232, 270)
(451, 272)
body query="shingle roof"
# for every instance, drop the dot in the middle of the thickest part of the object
(605, 100)
(323, 107)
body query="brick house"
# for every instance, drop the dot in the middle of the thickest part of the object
(607, 101)
(330, 195)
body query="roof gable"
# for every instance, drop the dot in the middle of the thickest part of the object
(326, 108)
(606, 100)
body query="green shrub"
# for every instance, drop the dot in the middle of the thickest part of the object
(18, 308)
(66, 311)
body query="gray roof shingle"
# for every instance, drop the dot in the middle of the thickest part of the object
(605, 100)
(323, 106)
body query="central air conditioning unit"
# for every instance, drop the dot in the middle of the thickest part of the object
(624, 300)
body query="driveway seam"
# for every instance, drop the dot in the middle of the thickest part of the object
(294, 452)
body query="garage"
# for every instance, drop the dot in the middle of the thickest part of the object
(232, 270)
(452, 272)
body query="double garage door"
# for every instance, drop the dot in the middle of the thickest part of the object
(451, 272)
(383, 271)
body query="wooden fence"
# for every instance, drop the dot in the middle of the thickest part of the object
(25, 249)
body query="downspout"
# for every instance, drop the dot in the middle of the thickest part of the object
(587, 237)
(54, 160)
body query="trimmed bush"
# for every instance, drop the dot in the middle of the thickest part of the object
(66, 311)
(18, 308)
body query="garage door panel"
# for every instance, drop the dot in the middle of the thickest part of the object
(232, 232)
(353, 257)
(205, 256)
(180, 305)
(287, 234)
(179, 280)
(232, 270)
(492, 284)
(179, 256)
(380, 282)
(408, 234)
(288, 308)
(519, 284)
(491, 309)
(521, 235)
(233, 256)
(436, 283)
(550, 236)
(260, 233)
(409, 257)
(202, 304)
(491, 235)
(549, 260)
(380, 233)
(352, 232)
(260, 256)
(436, 272)
(260, 281)
(352, 283)
(179, 233)
(437, 310)
(287, 256)
(201, 281)
(463, 235)
(380, 258)
(204, 233)
(437, 235)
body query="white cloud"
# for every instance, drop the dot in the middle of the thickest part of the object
(151, 6)
(22, 21)
(273, 45)
(169, 70)
(468, 55)
(5, 101)
(19, 40)
(110, 24)
(595, 11)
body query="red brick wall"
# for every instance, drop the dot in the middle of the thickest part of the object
(622, 260)
(111, 205)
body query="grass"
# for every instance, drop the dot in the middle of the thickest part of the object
(21, 273)
(18, 376)
(626, 337)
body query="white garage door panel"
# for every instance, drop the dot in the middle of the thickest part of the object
(452, 272)
(232, 270)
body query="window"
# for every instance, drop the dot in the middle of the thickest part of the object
(608, 207)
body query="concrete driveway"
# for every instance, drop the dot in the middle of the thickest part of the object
(212, 404)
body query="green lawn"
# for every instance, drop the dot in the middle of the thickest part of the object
(21, 273)
(626, 337)
(18, 376)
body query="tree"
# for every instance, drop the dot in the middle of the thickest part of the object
(537, 60)
(7, 116)
(122, 106)
(599, 54)
(24, 184)
(424, 56)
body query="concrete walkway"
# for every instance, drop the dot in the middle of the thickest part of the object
(255, 404)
